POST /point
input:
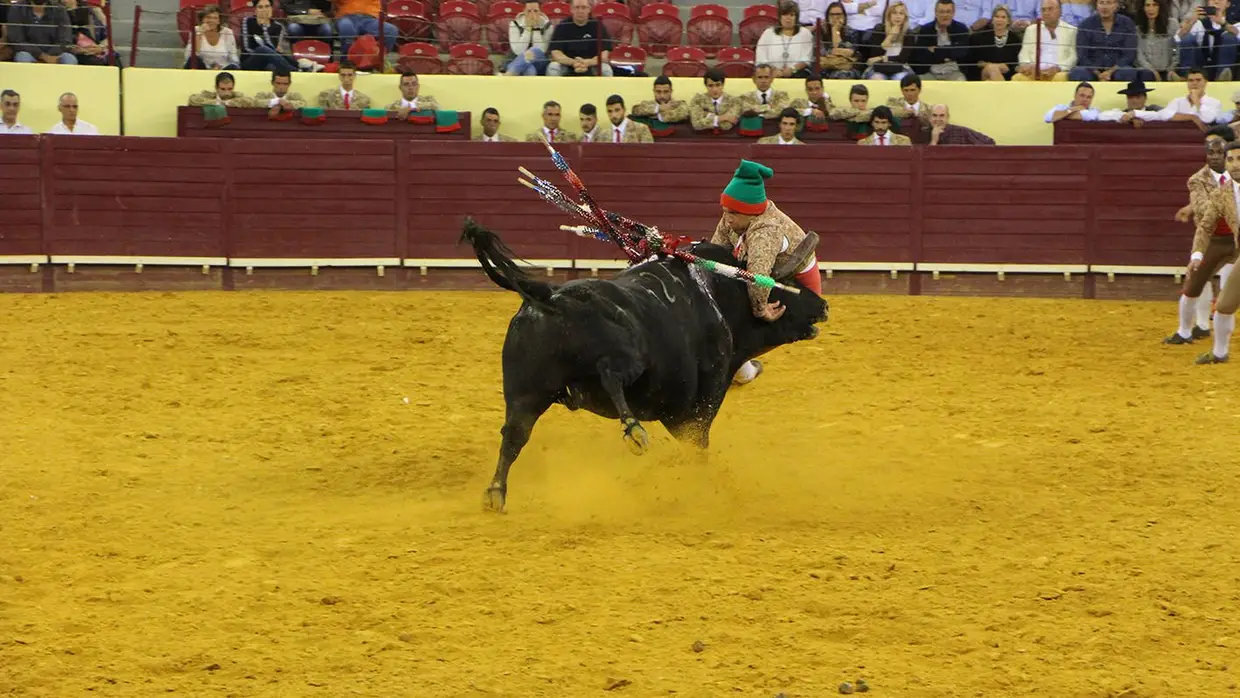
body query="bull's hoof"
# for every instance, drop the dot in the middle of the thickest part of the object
(636, 437)
(494, 499)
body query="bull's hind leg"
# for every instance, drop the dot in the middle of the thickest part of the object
(613, 382)
(519, 420)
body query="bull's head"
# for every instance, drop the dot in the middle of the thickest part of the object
(802, 313)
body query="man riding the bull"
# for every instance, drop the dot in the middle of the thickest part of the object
(767, 241)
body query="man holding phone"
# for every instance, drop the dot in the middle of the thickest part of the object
(1209, 41)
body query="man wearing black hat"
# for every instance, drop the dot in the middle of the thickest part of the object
(1138, 101)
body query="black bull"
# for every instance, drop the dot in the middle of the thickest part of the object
(661, 341)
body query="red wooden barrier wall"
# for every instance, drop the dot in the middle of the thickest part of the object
(325, 199)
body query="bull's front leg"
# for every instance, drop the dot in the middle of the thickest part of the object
(613, 382)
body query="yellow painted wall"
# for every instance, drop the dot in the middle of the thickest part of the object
(40, 85)
(1011, 113)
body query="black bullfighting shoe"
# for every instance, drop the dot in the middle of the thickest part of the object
(1210, 358)
(1200, 333)
(1178, 338)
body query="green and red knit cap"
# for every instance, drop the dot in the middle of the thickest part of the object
(746, 193)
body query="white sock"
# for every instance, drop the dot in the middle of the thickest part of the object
(1187, 308)
(1203, 305)
(747, 372)
(1223, 326)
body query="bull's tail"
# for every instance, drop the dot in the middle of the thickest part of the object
(497, 263)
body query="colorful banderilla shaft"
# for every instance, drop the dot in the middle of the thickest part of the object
(552, 194)
(603, 222)
(709, 265)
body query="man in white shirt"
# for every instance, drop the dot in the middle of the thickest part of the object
(11, 103)
(812, 11)
(1081, 108)
(1057, 54)
(70, 124)
(1196, 106)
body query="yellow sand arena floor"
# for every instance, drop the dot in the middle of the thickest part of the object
(226, 494)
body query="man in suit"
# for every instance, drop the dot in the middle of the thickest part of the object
(880, 121)
(490, 128)
(280, 99)
(590, 131)
(765, 101)
(345, 97)
(942, 45)
(410, 100)
(1220, 205)
(222, 94)
(909, 104)
(787, 135)
(663, 107)
(551, 130)
(623, 129)
(816, 104)
(714, 110)
(1216, 253)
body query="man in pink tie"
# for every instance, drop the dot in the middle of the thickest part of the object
(623, 129)
(1214, 252)
(881, 120)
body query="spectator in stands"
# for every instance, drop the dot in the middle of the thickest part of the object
(490, 128)
(6, 51)
(1157, 51)
(997, 49)
(944, 132)
(1196, 106)
(714, 110)
(39, 33)
(1081, 108)
(810, 11)
(857, 114)
(838, 53)
(261, 41)
(213, 46)
(863, 15)
(766, 101)
(624, 130)
(881, 121)
(70, 124)
(10, 104)
(1058, 48)
(943, 46)
(1106, 46)
(1024, 13)
(529, 35)
(357, 17)
(588, 116)
(909, 104)
(787, 46)
(576, 45)
(224, 93)
(90, 32)
(551, 130)
(1208, 41)
(663, 107)
(308, 19)
(345, 97)
(976, 14)
(410, 99)
(788, 121)
(1231, 118)
(280, 99)
(816, 104)
(1137, 96)
(890, 46)
(1075, 12)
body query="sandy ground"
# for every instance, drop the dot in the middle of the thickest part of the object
(226, 494)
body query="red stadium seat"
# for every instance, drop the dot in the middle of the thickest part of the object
(312, 49)
(420, 57)
(758, 18)
(556, 10)
(410, 18)
(470, 59)
(501, 16)
(685, 62)
(659, 28)
(630, 56)
(617, 20)
(736, 62)
(709, 28)
(458, 23)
